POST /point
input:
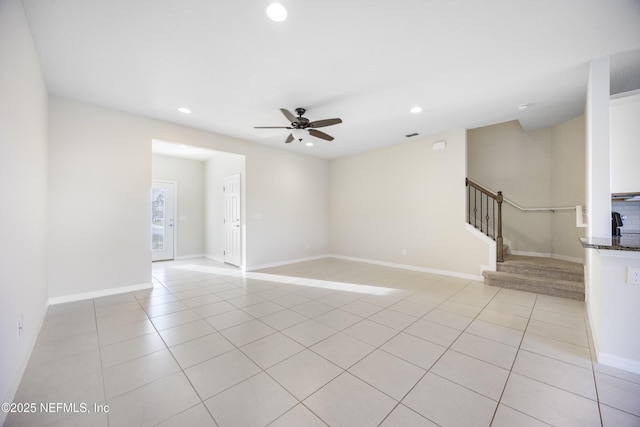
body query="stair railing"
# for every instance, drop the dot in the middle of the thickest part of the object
(484, 212)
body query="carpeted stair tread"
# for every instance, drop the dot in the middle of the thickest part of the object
(540, 275)
(543, 267)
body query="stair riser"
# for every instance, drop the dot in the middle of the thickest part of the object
(563, 293)
(523, 281)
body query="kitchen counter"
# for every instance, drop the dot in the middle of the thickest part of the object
(629, 242)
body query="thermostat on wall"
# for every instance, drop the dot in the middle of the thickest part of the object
(439, 145)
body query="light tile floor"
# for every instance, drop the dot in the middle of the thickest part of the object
(327, 342)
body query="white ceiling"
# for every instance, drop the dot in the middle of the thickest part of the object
(467, 63)
(183, 151)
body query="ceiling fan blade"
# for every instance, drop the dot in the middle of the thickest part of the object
(323, 123)
(320, 135)
(272, 127)
(289, 116)
(289, 138)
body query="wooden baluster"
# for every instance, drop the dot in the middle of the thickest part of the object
(499, 242)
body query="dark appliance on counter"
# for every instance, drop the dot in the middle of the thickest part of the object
(616, 223)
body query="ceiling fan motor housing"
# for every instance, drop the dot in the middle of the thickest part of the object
(302, 123)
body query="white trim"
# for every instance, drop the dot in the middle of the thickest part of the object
(367, 261)
(594, 336)
(175, 217)
(22, 366)
(190, 256)
(619, 254)
(101, 293)
(619, 362)
(242, 259)
(412, 268)
(624, 97)
(549, 255)
(287, 262)
(568, 258)
(528, 253)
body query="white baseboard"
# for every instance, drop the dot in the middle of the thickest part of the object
(594, 333)
(412, 268)
(487, 268)
(548, 255)
(619, 362)
(98, 294)
(22, 366)
(181, 257)
(286, 262)
(568, 258)
(529, 253)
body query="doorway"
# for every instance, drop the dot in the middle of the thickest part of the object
(232, 220)
(199, 227)
(163, 202)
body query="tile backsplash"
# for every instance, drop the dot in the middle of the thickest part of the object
(630, 212)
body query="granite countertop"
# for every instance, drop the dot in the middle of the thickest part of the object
(630, 242)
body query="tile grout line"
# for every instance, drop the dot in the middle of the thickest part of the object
(104, 388)
(181, 370)
(234, 282)
(593, 372)
(504, 388)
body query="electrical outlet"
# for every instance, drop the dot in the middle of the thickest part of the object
(404, 252)
(633, 276)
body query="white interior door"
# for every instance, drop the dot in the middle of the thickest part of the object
(163, 195)
(232, 223)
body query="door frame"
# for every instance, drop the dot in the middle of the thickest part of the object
(175, 216)
(241, 230)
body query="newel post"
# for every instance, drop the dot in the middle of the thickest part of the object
(499, 242)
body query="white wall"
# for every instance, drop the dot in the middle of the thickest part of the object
(612, 304)
(99, 192)
(536, 169)
(23, 186)
(189, 222)
(620, 308)
(406, 196)
(287, 206)
(100, 178)
(567, 187)
(504, 158)
(598, 187)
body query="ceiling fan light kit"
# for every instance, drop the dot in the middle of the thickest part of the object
(301, 126)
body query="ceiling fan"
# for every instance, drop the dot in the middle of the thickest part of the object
(300, 126)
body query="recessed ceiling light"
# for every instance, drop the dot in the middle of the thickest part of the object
(276, 12)
(309, 144)
(184, 110)
(415, 110)
(523, 107)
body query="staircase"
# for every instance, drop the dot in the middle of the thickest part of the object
(546, 276)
